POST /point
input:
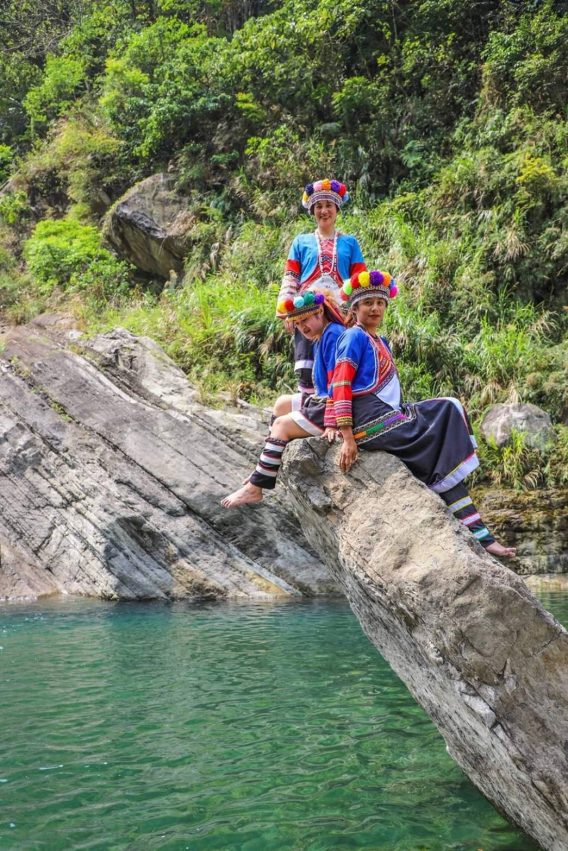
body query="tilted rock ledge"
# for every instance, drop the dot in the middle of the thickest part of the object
(112, 474)
(474, 646)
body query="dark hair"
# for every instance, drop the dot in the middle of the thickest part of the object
(332, 317)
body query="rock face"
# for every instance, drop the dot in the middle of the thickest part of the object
(532, 421)
(149, 226)
(107, 493)
(536, 525)
(464, 633)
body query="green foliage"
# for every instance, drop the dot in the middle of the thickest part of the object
(69, 254)
(277, 164)
(13, 207)
(222, 332)
(556, 467)
(516, 464)
(162, 90)
(545, 383)
(254, 255)
(59, 87)
(445, 118)
(529, 63)
(6, 157)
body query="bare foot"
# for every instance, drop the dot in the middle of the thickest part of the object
(498, 549)
(247, 495)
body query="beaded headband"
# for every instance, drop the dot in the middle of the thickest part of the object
(373, 284)
(324, 190)
(307, 304)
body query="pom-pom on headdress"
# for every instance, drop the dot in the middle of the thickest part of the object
(373, 284)
(307, 304)
(324, 190)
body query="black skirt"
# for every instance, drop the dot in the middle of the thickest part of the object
(308, 411)
(433, 438)
(303, 361)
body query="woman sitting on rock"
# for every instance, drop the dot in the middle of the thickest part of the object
(319, 260)
(433, 438)
(316, 316)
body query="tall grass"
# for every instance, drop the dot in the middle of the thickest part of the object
(223, 333)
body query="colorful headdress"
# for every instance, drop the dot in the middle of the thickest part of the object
(324, 190)
(307, 304)
(369, 285)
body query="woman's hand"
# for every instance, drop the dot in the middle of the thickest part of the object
(329, 434)
(349, 452)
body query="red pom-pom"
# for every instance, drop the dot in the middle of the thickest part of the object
(289, 305)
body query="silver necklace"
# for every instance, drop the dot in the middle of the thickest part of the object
(326, 279)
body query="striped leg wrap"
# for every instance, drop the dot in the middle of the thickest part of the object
(266, 470)
(462, 507)
(271, 423)
(303, 362)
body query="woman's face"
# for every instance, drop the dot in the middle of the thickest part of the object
(325, 213)
(369, 312)
(312, 326)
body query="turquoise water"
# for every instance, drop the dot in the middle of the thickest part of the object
(146, 726)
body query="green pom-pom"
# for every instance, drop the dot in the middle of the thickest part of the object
(347, 289)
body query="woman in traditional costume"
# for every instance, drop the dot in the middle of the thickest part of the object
(320, 260)
(433, 438)
(317, 318)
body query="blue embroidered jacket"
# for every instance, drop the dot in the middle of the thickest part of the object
(324, 366)
(364, 365)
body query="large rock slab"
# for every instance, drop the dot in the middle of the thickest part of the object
(473, 645)
(112, 475)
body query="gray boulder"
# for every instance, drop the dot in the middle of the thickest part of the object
(149, 226)
(532, 421)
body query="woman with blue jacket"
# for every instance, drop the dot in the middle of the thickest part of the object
(433, 438)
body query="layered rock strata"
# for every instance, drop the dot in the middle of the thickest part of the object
(112, 474)
(473, 645)
(536, 523)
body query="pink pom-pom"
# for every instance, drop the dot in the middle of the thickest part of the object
(393, 291)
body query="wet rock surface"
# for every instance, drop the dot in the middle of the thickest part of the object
(536, 523)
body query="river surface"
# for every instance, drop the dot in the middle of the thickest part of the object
(221, 726)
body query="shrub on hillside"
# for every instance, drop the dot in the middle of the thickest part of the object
(69, 254)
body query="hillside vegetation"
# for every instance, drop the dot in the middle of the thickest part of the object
(446, 119)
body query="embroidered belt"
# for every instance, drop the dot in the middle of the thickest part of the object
(381, 425)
